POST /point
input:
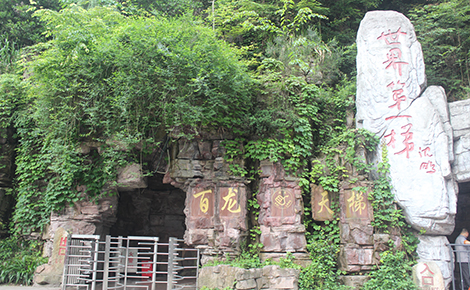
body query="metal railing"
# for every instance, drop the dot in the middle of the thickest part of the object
(128, 263)
(459, 266)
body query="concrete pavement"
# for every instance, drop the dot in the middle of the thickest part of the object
(8, 287)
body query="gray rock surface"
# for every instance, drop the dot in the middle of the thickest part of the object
(427, 276)
(411, 123)
(434, 249)
(460, 120)
(268, 277)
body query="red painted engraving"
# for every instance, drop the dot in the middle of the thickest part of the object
(397, 94)
(393, 60)
(428, 280)
(395, 117)
(429, 166)
(391, 37)
(424, 152)
(409, 146)
(392, 138)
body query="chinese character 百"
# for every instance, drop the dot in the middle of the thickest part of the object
(204, 202)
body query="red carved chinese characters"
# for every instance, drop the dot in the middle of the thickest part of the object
(424, 152)
(62, 246)
(391, 37)
(392, 138)
(427, 280)
(409, 146)
(397, 95)
(429, 166)
(393, 60)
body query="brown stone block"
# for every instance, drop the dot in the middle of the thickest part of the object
(355, 206)
(266, 168)
(201, 201)
(296, 242)
(188, 149)
(362, 235)
(205, 149)
(217, 149)
(131, 177)
(283, 203)
(271, 243)
(232, 201)
(321, 204)
(225, 241)
(200, 223)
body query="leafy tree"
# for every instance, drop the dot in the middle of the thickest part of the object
(105, 77)
(343, 19)
(444, 33)
(253, 24)
(18, 26)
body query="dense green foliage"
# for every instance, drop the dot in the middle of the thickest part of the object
(18, 26)
(444, 32)
(105, 77)
(18, 260)
(394, 273)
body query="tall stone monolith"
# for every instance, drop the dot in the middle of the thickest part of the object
(411, 121)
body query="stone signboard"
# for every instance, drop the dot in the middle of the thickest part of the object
(356, 205)
(202, 202)
(282, 203)
(321, 204)
(392, 103)
(52, 272)
(230, 200)
(427, 276)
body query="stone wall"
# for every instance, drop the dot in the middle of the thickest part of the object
(357, 234)
(460, 120)
(215, 204)
(280, 218)
(268, 277)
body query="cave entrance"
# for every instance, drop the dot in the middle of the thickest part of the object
(462, 218)
(153, 211)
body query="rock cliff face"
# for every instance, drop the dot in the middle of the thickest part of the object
(216, 202)
(393, 103)
(425, 138)
(460, 122)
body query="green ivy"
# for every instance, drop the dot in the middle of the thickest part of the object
(18, 260)
(114, 82)
(393, 273)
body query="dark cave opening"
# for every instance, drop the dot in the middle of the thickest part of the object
(153, 211)
(462, 218)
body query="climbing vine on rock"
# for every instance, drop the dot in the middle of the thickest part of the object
(98, 95)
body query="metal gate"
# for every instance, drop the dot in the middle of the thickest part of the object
(128, 263)
(458, 267)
